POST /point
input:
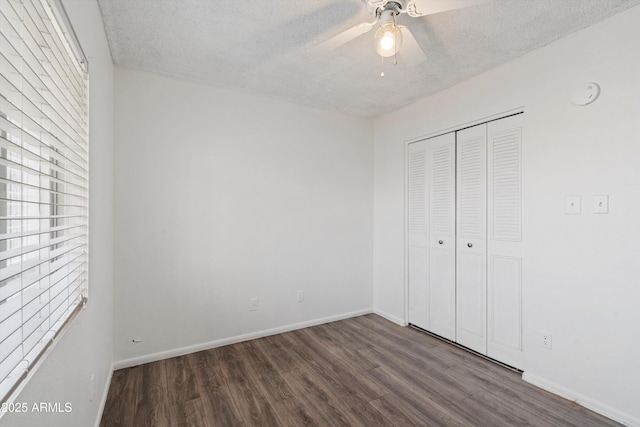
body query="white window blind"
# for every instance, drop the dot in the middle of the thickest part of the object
(43, 182)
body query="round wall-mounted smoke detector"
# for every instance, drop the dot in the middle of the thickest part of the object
(585, 93)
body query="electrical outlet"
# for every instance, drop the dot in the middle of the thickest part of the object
(253, 304)
(300, 296)
(545, 339)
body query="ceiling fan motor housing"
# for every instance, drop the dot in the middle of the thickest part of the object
(397, 6)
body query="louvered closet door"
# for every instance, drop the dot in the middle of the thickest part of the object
(442, 256)
(418, 227)
(471, 249)
(505, 240)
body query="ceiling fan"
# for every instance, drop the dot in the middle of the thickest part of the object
(390, 36)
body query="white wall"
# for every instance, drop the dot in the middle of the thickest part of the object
(85, 349)
(223, 196)
(581, 273)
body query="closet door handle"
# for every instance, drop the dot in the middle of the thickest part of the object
(469, 245)
(440, 241)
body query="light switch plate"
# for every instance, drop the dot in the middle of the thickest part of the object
(572, 205)
(600, 204)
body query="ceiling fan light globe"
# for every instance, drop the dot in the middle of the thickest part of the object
(388, 40)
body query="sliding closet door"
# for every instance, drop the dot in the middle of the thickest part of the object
(442, 256)
(471, 253)
(418, 227)
(505, 240)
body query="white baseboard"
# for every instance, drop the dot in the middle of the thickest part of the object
(103, 400)
(390, 317)
(582, 400)
(134, 361)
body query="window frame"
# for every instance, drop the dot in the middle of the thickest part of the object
(44, 185)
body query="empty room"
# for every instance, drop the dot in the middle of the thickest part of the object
(327, 212)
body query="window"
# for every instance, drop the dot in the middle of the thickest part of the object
(43, 182)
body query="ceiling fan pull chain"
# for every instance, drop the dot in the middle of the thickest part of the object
(395, 42)
(382, 67)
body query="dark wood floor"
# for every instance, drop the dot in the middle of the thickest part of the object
(363, 371)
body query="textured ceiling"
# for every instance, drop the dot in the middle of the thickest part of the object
(262, 46)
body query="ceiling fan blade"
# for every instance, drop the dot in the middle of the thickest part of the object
(344, 37)
(410, 52)
(417, 8)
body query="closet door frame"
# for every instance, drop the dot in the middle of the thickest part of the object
(515, 355)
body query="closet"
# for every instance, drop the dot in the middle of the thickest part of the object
(464, 237)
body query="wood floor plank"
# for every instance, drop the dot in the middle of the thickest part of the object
(378, 329)
(114, 410)
(550, 411)
(410, 342)
(434, 378)
(219, 408)
(354, 341)
(178, 414)
(257, 361)
(331, 400)
(363, 371)
(315, 401)
(206, 369)
(400, 412)
(264, 373)
(273, 387)
(353, 399)
(293, 412)
(181, 379)
(233, 366)
(344, 393)
(443, 390)
(277, 349)
(188, 413)
(253, 407)
(154, 394)
(348, 375)
(432, 412)
(195, 414)
(134, 385)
